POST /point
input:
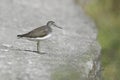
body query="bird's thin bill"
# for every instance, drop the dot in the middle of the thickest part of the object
(58, 26)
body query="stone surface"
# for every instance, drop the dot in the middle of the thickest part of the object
(70, 54)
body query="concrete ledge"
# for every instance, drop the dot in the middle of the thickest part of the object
(71, 54)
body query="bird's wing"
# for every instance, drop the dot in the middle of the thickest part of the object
(38, 32)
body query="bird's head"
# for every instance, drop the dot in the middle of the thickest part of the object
(52, 23)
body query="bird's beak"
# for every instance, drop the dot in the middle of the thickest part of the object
(57, 26)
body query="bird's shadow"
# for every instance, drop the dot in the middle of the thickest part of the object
(13, 48)
(30, 51)
(35, 51)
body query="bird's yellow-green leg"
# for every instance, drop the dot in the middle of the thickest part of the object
(38, 46)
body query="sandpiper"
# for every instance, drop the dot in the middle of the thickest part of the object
(39, 33)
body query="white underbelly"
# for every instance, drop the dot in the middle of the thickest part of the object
(38, 38)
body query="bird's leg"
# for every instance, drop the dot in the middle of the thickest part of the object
(38, 45)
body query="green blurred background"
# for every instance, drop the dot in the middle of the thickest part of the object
(106, 14)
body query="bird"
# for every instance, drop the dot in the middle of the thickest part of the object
(40, 33)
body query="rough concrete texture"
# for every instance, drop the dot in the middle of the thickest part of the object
(70, 54)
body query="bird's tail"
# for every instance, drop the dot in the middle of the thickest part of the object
(22, 35)
(19, 36)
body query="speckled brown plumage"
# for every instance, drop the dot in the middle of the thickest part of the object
(38, 32)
